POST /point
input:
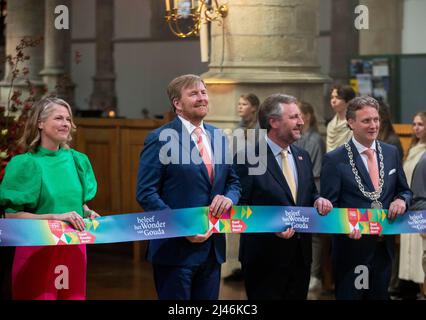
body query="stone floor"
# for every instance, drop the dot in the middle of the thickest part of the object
(114, 276)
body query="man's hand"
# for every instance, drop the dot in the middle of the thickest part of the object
(199, 238)
(323, 206)
(286, 234)
(355, 234)
(219, 205)
(396, 207)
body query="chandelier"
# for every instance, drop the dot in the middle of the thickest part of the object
(186, 16)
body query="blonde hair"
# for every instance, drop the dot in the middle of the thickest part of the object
(40, 111)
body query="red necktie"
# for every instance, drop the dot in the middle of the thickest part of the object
(203, 152)
(372, 168)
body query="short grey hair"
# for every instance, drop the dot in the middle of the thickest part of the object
(270, 108)
(358, 103)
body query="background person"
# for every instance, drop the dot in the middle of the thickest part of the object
(338, 132)
(387, 134)
(312, 142)
(247, 108)
(411, 252)
(418, 186)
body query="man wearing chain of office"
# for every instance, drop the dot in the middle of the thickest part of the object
(364, 173)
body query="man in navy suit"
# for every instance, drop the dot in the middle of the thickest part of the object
(193, 174)
(364, 173)
(277, 266)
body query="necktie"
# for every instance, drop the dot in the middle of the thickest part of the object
(288, 174)
(372, 168)
(203, 152)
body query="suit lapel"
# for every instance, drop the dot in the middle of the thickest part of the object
(365, 177)
(275, 170)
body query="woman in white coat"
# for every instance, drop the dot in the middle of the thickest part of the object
(410, 264)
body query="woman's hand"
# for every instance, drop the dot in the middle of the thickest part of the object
(74, 218)
(91, 214)
(88, 213)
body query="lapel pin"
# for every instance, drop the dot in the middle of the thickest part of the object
(300, 157)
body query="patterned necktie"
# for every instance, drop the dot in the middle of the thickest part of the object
(372, 168)
(288, 174)
(203, 152)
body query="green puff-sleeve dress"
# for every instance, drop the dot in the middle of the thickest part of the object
(44, 182)
(48, 182)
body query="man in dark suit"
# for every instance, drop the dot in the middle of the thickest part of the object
(183, 165)
(364, 173)
(277, 266)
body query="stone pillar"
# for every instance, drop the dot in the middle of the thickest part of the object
(103, 96)
(25, 19)
(384, 35)
(56, 73)
(344, 38)
(264, 47)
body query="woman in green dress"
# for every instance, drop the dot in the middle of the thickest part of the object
(51, 182)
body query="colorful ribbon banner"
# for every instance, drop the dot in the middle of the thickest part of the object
(191, 221)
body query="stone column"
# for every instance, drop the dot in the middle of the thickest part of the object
(344, 38)
(264, 47)
(25, 19)
(103, 96)
(56, 73)
(384, 35)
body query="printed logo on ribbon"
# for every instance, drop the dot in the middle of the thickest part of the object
(231, 221)
(63, 234)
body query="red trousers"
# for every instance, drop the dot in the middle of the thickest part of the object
(49, 273)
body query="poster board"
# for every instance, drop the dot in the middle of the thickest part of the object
(375, 76)
(398, 80)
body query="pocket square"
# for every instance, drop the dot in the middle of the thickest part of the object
(392, 171)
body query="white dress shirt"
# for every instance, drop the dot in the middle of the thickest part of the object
(206, 139)
(361, 148)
